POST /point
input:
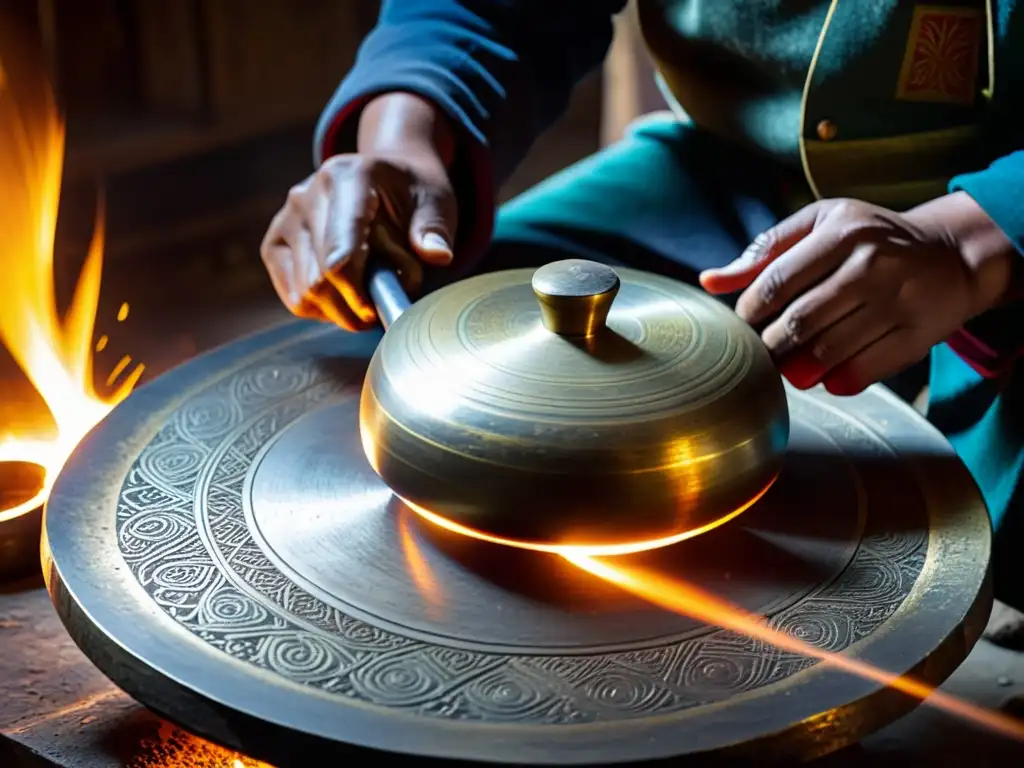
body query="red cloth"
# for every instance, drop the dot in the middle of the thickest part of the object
(985, 360)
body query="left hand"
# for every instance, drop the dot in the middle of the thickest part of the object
(859, 292)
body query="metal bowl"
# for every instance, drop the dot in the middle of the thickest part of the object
(574, 405)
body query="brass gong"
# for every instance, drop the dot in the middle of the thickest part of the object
(574, 405)
(220, 547)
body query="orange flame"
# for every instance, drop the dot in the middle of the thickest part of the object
(691, 601)
(419, 569)
(688, 600)
(590, 550)
(55, 353)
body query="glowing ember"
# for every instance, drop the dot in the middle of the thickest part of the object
(419, 569)
(590, 550)
(688, 600)
(55, 353)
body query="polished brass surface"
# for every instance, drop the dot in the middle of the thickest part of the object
(574, 296)
(221, 549)
(532, 406)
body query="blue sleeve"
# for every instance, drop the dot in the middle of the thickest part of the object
(503, 70)
(999, 190)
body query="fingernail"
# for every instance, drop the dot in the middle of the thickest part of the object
(434, 242)
(728, 270)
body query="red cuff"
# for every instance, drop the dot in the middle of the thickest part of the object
(353, 109)
(474, 162)
(985, 360)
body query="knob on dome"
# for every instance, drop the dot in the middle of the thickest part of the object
(575, 296)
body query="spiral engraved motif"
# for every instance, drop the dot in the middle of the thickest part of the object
(271, 382)
(826, 630)
(298, 657)
(626, 692)
(140, 533)
(717, 672)
(222, 587)
(399, 681)
(207, 417)
(874, 580)
(360, 636)
(507, 694)
(231, 609)
(895, 546)
(454, 661)
(182, 577)
(173, 463)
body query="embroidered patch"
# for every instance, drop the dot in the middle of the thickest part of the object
(941, 61)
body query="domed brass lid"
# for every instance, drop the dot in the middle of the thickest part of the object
(574, 405)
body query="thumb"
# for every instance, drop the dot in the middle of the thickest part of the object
(765, 249)
(432, 227)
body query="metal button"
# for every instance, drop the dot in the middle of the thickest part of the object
(827, 130)
(575, 295)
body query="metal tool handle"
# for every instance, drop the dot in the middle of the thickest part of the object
(387, 293)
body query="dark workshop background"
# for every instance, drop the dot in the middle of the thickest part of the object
(194, 117)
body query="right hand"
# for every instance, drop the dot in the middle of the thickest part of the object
(393, 198)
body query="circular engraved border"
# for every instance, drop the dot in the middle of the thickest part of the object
(336, 654)
(195, 555)
(298, 582)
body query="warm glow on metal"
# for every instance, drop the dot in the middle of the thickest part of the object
(689, 600)
(419, 569)
(582, 549)
(54, 352)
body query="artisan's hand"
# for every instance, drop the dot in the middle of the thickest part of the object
(393, 197)
(856, 293)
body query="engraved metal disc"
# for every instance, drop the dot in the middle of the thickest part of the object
(220, 548)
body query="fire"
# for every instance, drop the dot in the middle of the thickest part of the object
(689, 600)
(56, 353)
(589, 550)
(419, 569)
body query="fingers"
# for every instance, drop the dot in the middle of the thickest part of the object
(888, 356)
(277, 258)
(826, 356)
(847, 338)
(766, 248)
(317, 246)
(343, 215)
(806, 318)
(278, 251)
(779, 283)
(330, 307)
(801, 369)
(858, 352)
(845, 290)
